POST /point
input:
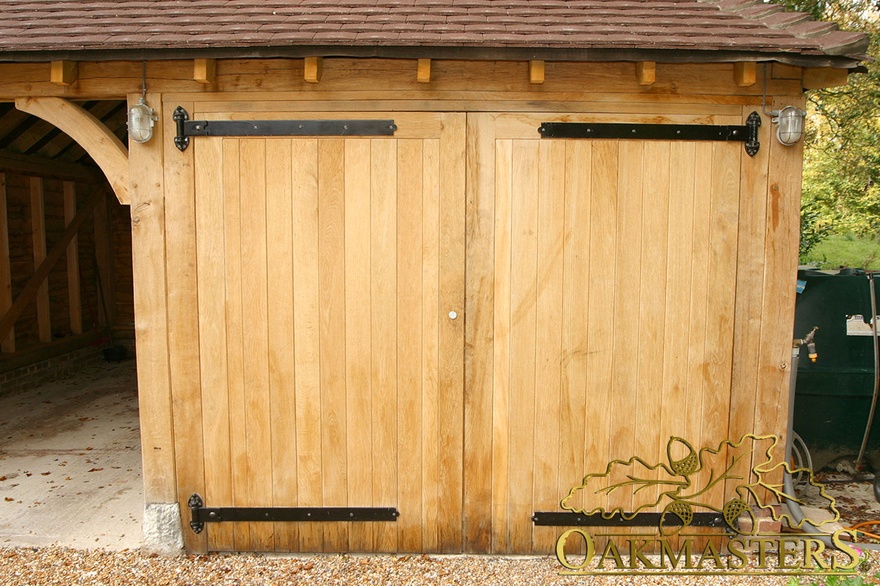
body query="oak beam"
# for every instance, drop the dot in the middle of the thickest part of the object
(816, 78)
(646, 72)
(104, 265)
(101, 144)
(29, 291)
(30, 165)
(424, 71)
(536, 71)
(7, 343)
(64, 72)
(74, 296)
(38, 234)
(783, 71)
(205, 70)
(314, 69)
(745, 74)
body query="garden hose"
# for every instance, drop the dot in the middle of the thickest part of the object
(857, 527)
(876, 371)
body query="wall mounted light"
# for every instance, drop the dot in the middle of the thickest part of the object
(789, 125)
(140, 116)
(789, 121)
(140, 121)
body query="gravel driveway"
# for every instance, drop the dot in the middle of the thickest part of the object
(50, 566)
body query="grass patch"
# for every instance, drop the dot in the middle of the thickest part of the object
(844, 251)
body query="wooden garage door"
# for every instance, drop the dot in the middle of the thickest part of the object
(331, 368)
(603, 272)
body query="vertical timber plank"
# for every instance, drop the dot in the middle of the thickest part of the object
(358, 328)
(73, 285)
(146, 162)
(104, 257)
(780, 274)
(575, 315)
(8, 344)
(678, 291)
(595, 266)
(452, 289)
(523, 337)
(306, 323)
(38, 234)
(650, 443)
(699, 299)
(409, 342)
(627, 291)
(751, 262)
(235, 350)
(501, 388)
(282, 374)
(722, 298)
(255, 334)
(210, 168)
(183, 325)
(431, 316)
(548, 345)
(480, 298)
(331, 259)
(383, 293)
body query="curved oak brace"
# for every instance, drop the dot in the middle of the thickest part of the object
(101, 144)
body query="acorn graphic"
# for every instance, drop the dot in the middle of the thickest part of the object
(732, 511)
(687, 465)
(680, 509)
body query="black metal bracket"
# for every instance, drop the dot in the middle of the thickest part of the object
(187, 128)
(747, 133)
(181, 141)
(555, 519)
(200, 514)
(753, 123)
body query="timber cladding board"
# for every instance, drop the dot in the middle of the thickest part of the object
(313, 280)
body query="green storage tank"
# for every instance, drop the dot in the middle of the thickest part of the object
(833, 395)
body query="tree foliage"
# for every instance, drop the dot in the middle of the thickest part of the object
(842, 157)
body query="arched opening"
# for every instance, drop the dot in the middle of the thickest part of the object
(69, 435)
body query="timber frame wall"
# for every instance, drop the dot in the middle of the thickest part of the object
(663, 309)
(57, 304)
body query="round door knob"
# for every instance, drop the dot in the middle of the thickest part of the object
(452, 315)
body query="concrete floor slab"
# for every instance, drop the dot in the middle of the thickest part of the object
(70, 462)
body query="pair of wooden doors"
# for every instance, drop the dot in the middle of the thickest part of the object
(436, 321)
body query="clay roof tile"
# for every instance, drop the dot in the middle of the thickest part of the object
(708, 29)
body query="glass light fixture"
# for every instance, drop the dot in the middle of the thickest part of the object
(789, 125)
(140, 121)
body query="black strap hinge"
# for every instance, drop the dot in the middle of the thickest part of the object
(556, 519)
(747, 133)
(200, 514)
(187, 128)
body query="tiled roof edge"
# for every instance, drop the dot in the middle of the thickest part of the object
(829, 39)
(440, 52)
